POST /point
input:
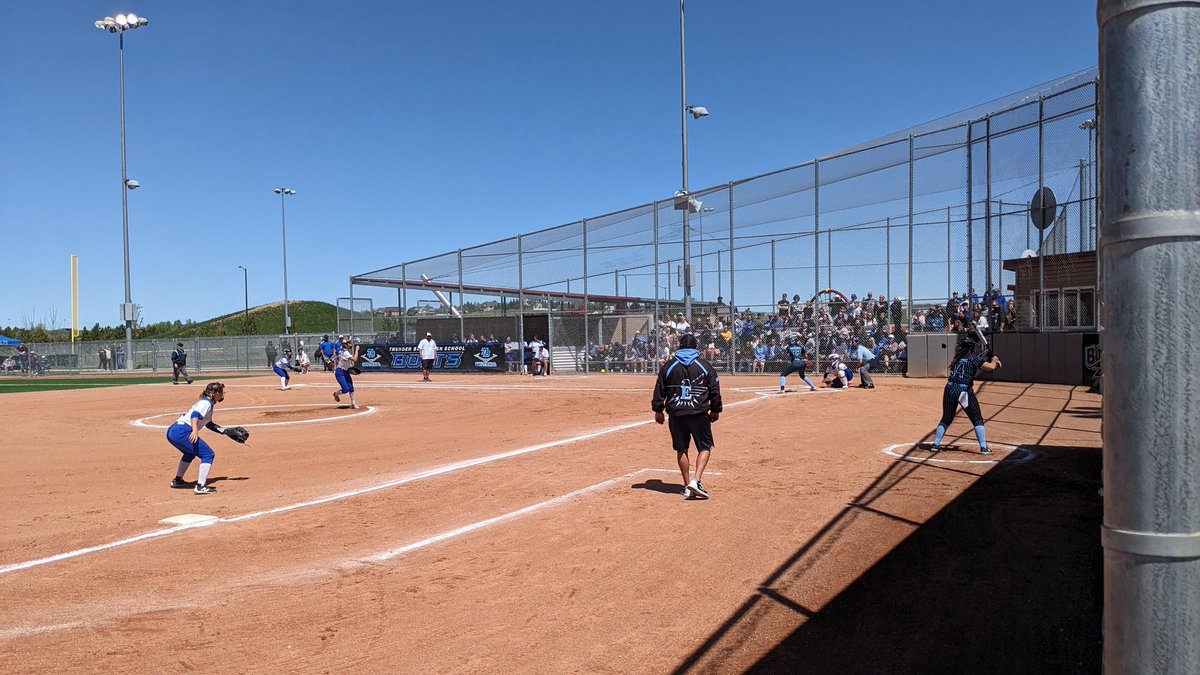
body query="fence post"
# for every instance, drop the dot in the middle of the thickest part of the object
(911, 168)
(987, 222)
(816, 235)
(462, 305)
(521, 302)
(586, 334)
(732, 307)
(970, 211)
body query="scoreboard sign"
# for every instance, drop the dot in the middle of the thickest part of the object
(484, 357)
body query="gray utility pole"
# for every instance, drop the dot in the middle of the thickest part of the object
(287, 318)
(1149, 133)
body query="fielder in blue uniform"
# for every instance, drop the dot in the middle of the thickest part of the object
(960, 392)
(184, 434)
(799, 364)
(282, 365)
(345, 360)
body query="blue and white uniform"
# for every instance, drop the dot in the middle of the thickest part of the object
(345, 361)
(282, 365)
(179, 434)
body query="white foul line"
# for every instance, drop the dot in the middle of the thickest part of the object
(449, 468)
(407, 548)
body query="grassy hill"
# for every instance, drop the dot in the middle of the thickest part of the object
(307, 317)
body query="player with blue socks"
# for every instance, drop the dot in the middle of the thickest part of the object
(798, 357)
(282, 365)
(960, 392)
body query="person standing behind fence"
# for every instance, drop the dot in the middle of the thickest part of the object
(120, 357)
(689, 390)
(179, 364)
(512, 354)
(327, 350)
(272, 354)
(427, 350)
(345, 361)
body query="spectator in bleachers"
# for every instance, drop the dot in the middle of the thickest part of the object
(783, 308)
(760, 357)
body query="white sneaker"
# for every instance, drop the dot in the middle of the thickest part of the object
(697, 489)
(687, 493)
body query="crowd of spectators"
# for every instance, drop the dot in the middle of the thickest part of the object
(756, 341)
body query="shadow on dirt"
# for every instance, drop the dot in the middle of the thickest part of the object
(659, 486)
(1007, 578)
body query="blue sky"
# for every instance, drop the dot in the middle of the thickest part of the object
(410, 129)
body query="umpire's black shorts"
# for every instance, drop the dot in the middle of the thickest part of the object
(686, 427)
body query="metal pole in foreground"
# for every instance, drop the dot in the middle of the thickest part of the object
(1150, 248)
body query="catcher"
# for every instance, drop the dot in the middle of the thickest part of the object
(184, 434)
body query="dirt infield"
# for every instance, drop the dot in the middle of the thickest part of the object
(509, 524)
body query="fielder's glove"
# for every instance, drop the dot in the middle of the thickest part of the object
(354, 370)
(239, 434)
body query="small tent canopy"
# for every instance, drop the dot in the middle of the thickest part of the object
(6, 341)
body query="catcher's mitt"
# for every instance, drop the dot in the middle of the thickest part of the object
(239, 434)
(354, 370)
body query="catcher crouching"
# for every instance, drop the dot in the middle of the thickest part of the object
(184, 434)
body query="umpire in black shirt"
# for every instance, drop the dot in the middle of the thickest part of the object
(689, 390)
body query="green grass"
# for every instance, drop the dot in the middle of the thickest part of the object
(19, 385)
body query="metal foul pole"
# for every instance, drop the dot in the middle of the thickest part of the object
(1149, 139)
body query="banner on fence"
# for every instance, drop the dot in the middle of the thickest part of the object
(485, 357)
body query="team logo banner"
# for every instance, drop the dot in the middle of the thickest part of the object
(483, 357)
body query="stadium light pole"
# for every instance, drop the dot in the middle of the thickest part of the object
(683, 200)
(246, 293)
(118, 25)
(283, 193)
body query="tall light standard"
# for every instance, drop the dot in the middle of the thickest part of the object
(683, 200)
(118, 25)
(246, 293)
(284, 192)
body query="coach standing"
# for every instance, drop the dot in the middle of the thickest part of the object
(427, 349)
(689, 390)
(179, 364)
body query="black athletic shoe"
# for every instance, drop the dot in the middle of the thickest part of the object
(178, 483)
(985, 450)
(189, 381)
(935, 448)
